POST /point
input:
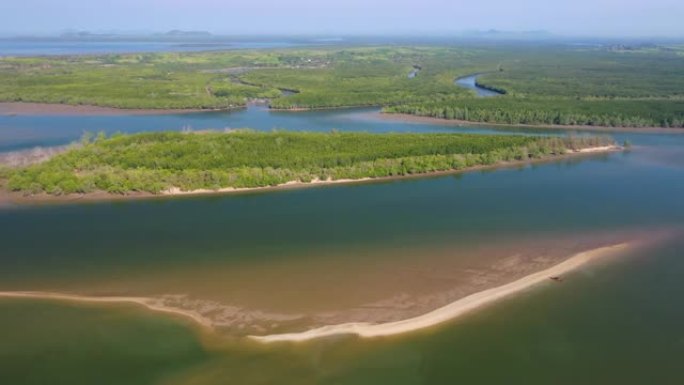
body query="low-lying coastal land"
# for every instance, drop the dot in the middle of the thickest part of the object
(466, 243)
(208, 162)
(52, 109)
(558, 85)
(401, 117)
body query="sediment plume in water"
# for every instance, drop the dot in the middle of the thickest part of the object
(451, 311)
(363, 329)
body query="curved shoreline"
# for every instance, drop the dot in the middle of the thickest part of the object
(56, 109)
(19, 198)
(399, 117)
(148, 303)
(482, 90)
(441, 315)
(449, 312)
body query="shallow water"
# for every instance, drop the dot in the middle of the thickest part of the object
(327, 249)
(616, 322)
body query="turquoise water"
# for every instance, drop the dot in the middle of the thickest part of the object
(615, 322)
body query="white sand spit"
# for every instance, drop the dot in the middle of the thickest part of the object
(149, 303)
(448, 312)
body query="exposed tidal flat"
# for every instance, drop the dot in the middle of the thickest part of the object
(544, 335)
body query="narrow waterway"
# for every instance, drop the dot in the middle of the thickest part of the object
(470, 82)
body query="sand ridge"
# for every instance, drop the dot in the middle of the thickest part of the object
(450, 311)
(149, 303)
(362, 329)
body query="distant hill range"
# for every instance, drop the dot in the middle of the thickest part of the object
(179, 33)
(495, 34)
(174, 34)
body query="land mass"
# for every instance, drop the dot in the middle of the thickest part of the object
(557, 85)
(32, 109)
(209, 162)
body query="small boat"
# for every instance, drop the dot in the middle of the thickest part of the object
(556, 278)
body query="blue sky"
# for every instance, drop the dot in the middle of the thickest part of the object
(568, 17)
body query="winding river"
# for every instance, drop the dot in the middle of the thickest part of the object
(470, 82)
(262, 263)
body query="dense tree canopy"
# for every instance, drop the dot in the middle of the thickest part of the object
(154, 162)
(543, 84)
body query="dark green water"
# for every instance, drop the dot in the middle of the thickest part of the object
(616, 322)
(52, 343)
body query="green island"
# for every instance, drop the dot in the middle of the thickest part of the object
(160, 162)
(544, 84)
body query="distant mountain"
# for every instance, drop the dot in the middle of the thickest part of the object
(509, 35)
(73, 34)
(179, 33)
(174, 35)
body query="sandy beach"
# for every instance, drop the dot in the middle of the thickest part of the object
(175, 191)
(451, 311)
(204, 316)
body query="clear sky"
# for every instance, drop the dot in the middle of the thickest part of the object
(568, 17)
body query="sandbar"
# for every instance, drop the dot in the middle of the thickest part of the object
(451, 311)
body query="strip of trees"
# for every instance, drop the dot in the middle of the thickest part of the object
(155, 162)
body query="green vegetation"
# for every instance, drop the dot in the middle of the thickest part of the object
(544, 84)
(573, 86)
(152, 81)
(539, 111)
(155, 162)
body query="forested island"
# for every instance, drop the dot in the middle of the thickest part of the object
(159, 163)
(543, 84)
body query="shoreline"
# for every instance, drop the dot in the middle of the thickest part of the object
(148, 303)
(454, 310)
(56, 109)
(451, 311)
(38, 109)
(389, 116)
(9, 197)
(175, 191)
(305, 109)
